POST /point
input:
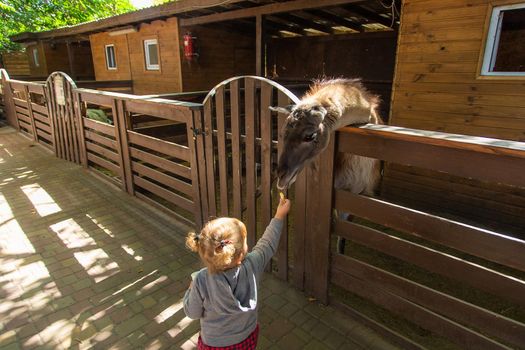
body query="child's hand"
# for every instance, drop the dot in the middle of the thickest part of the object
(283, 208)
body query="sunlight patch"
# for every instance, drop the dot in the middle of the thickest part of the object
(168, 312)
(95, 261)
(131, 252)
(42, 201)
(13, 240)
(72, 234)
(59, 330)
(97, 264)
(100, 226)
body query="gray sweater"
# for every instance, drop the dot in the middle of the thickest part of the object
(226, 303)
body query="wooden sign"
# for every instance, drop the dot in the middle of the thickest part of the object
(59, 91)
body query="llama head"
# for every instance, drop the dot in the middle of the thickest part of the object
(304, 136)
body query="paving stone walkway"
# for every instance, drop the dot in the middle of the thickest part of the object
(84, 265)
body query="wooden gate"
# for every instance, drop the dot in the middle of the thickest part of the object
(241, 137)
(61, 109)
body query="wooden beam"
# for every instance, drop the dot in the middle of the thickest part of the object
(338, 20)
(147, 14)
(70, 60)
(258, 45)
(371, 16)
(304, 23)
(278, 26)
(264, 10)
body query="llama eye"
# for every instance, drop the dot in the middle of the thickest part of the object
(310, 137)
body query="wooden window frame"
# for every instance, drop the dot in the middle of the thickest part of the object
(107, 57)
(35, 57)
(491, 36)
(148, 65)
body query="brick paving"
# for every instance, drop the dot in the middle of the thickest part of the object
(84, 265)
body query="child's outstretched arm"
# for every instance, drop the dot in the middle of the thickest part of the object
(268, 243)
(193, 302)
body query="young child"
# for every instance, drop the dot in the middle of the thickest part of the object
(223, 295)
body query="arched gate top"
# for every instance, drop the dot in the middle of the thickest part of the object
(278, 86)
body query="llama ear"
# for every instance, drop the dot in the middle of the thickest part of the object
(285, 110)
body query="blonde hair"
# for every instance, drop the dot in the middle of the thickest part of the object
(219, 243)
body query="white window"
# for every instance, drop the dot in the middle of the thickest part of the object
(35, 57)
(111, 61)
(151, 53)
(504, 51)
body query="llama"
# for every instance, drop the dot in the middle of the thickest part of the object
(326, 107)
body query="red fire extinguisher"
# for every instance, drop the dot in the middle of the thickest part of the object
(189, 47)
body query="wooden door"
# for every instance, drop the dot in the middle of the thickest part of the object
(61, 109)
(241, 150)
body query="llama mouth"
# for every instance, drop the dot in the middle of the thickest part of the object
(284, 183)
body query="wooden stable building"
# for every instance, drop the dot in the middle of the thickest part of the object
(241, 37)
(46, 54)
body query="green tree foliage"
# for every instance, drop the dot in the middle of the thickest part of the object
(17, 16)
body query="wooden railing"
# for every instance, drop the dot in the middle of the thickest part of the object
(453, 253)
(161, 172)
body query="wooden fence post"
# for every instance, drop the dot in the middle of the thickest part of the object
(319, 220)
(200, 152)
(121, 136)
(30, 112)
(81, 130)
(9, 102)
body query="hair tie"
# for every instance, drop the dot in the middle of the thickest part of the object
(224, 242)
(197, 237)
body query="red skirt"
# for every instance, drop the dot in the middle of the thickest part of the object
(247, 344)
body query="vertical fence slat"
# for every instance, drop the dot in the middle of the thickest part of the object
(73, 125)
(51, 116)
(236, 149)
(121, 146)
(201, 163)
(282, 252)
(122, 131)
(266, 155)
(210, 160)
(221, 145)
(57, 119)
(190, 126)
(249, 117)
(300, 188)
(319, 221)
(81, 136)
(30, 112)
(68, 137)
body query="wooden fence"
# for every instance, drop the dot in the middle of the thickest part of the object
(401, 241)
(427, 269)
